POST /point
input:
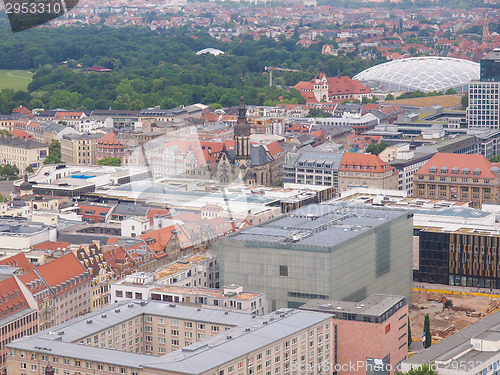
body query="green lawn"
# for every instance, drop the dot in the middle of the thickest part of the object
(15, 79)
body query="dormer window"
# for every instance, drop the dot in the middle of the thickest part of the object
(476, 172)
(454, 170)
(465, 171)
(433, 169)
(443, 170)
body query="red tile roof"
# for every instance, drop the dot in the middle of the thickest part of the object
(109, 141)
(61, 271)
(12, 298)
(34, 283)
(158, 239)
(16, 133)
(350, 161)
(18, 261)
(50, 245)
(461, 162)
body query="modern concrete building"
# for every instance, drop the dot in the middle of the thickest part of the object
(322, 252)
(15, 235)
(312, 167)
(373, 332)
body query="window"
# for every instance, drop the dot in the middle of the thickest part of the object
(201, 326)
(188, 324)
(283, 270)
(175, 332)
(100, 367)
(215, 329)
(77, 363)
(175, 342)
(111, 368)
(174, 323)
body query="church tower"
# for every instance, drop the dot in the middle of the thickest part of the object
(242, 131)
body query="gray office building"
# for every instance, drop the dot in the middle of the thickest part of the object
(330, 251)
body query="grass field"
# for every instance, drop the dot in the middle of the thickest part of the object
(15, 79)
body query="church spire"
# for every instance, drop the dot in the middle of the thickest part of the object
(242, 130)
(242, 110)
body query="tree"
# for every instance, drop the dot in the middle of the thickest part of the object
(410, 340)
(426, 369)
(9, 170)
(451, 91)
(427, 331)
(30, 169)
(465, 101)
(115, 162)
(389, 97)
(495, 159)
(316, 112)
(375, 149)
(4, 133)
(54, 153)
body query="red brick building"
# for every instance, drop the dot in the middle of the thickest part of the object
(368, 333)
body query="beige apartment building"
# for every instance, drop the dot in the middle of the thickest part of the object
(366, 171)
(80, 149)
(22, 152)
(459, 177)
(134, 338)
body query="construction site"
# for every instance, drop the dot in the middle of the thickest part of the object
(449, 312)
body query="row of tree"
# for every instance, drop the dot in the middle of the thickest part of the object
(152, 68)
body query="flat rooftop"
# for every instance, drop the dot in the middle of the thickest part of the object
(318, 226)
(375, 305)
(78, 328)
(179, 266)
(204, 292)
(248, 334)
(223, 348)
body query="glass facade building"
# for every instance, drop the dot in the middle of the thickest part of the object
(458, 258)
(483, 111)
(322, 252)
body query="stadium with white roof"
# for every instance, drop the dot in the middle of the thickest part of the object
(421, 73)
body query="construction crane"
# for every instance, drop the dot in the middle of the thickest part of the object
(270, 70)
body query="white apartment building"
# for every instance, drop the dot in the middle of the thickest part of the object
(142, 286)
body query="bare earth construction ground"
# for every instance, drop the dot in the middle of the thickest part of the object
(467, 309)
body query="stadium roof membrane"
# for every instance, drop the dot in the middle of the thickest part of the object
(422, 73)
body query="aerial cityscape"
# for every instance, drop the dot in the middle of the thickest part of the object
(277, 187)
